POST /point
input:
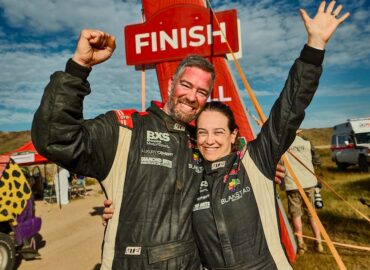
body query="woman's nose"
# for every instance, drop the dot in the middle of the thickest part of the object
(210, 139)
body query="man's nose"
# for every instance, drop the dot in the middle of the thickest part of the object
(192, 95)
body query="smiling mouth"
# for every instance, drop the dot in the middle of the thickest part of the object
(186, 106)
(211, 149)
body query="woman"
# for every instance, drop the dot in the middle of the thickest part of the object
(235, 216)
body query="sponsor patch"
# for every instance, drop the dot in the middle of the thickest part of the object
(196, 168)
(133, 251)
(157, 137)
(156, 152)
(236, 196)
(179, 127)
(156, 161)
(217, 165)
(201, 206)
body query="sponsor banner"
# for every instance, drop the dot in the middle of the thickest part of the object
(23, 158)
(164, 37)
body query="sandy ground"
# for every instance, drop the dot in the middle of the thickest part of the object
(71, 237)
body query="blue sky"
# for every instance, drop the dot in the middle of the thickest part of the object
(37, 37)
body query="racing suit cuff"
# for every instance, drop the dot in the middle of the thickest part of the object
(77, 70)
(312, 56)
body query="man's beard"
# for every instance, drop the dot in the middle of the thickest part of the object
(178, 115)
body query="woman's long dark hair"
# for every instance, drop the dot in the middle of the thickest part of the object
(217, 106)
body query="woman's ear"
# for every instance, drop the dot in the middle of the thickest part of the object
(234, 135)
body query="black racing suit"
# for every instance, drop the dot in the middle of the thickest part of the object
(144, 162)
(235, 218)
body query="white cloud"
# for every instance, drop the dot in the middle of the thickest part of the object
(339, 90)
(330, 115)
(272, 37)
(41, 16)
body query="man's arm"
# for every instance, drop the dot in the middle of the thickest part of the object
(59, 131)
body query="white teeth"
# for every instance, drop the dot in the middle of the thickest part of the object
(210, 149)
(186, 107)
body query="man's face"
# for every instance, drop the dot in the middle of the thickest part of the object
(188, 94)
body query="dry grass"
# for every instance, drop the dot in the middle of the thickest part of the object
(318, 136)
(341, 222)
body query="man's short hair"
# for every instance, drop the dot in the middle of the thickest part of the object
(198, 61)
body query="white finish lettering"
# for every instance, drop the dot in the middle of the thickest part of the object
(154, 41)
(221, 96)
(184, 43)
(139, 43)
(200, 37)
(194, 36)
(172, 41)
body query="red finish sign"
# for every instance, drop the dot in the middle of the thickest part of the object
(178, 31)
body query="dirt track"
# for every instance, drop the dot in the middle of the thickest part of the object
(71, 236)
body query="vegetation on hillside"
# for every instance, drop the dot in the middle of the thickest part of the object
(12, 140)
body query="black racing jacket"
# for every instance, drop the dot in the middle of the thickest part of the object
(235, 218)
(145, 164)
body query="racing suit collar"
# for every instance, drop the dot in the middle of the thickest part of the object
(171, 124)
(220, 166)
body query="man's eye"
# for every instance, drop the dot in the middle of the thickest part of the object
(203, 93)
(185, 85)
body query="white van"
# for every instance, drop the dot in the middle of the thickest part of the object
(350, 144)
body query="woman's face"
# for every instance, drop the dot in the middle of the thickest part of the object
(214, 139)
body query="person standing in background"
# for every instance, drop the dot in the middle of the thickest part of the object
(61, 184)
(305, 152)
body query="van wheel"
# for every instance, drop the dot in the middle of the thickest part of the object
(7, 252)
(362, 163)
(342, 166)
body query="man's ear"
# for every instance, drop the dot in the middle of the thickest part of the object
(170, 83)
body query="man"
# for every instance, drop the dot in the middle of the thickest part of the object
(144, 161)
(305, 153)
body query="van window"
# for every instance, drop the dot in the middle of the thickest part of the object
(342, 139)
(363, 137)
(334, 140)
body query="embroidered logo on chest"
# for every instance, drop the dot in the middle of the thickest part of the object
(232, 184)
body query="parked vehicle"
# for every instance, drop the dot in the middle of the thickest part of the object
(351, 144)
(18, 224)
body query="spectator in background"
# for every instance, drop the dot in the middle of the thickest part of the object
(306, 153)
(61, 184)
(80, 180)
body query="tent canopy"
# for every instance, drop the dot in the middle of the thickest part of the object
(24, 155)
